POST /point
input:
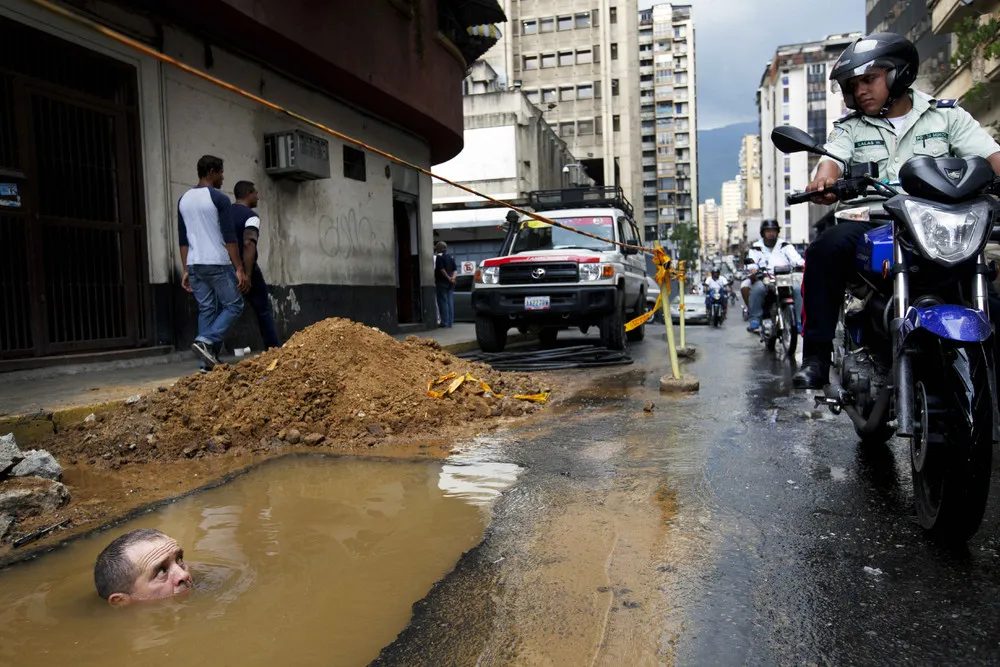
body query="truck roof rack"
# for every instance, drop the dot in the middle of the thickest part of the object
(597, 196)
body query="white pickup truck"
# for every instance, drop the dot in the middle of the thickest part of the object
(548, 278)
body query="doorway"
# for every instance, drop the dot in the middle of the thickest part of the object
(409, 304)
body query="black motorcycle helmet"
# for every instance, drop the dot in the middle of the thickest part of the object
(770, 223)
(884, 50)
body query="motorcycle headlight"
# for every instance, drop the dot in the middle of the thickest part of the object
(491, 275)
(949, 235)
(590, 271)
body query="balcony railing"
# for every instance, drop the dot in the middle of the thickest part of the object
(647, 70)
(945, 14)
(647, 115)
(649, 145)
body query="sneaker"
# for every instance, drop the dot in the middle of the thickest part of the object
(814, 374)
(204, 352)
(754, 326)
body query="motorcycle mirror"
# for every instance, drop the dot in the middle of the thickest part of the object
(788, 139)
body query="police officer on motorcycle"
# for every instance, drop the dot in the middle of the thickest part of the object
(890, 122)
(720, 284)
(766, 253)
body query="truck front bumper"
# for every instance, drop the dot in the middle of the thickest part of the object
(567, 305)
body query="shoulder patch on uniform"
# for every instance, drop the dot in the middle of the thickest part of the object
(836, 134)
(946, 104)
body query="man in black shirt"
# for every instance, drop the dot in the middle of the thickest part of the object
(246, 222)
(445, 277)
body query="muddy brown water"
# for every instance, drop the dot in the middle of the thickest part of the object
(302, 561)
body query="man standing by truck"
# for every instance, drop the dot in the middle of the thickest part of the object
(445, 277)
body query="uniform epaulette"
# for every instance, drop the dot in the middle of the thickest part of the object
(853, 114)
(946, 104)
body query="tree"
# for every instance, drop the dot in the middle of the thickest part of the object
(977, 39)
(685, 238)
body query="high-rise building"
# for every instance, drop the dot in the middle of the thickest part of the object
(729, 214)
(750, 171)
(708, 224)
(913, 19)
(668, 115)
(795, 90)
(579, 66)
(976, 73)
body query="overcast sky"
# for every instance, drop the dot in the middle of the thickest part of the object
(735, 39)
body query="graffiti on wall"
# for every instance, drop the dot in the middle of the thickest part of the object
(347, 235)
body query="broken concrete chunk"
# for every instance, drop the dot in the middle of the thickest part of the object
(293, 437)
(90, 418)
(134, 398)
(38, 463)
(33, 495)
(6, 523)
(10, 455)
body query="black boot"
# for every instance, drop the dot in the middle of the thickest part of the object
(815, 370)
(814, 374)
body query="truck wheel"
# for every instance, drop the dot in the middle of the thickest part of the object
(613, 326)
(638, 333)
(548, 337)
(491, 334)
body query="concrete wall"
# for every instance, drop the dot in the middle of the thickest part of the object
(327, 247)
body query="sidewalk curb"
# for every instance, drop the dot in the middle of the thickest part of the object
(33, 427)
(29, 428)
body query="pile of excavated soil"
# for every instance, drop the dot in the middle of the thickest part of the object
(336, 384)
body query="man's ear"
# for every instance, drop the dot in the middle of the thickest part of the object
(119, 599)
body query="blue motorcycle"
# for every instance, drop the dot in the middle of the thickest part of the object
(914, 355)
(715, 307)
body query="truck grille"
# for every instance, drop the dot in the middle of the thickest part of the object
(524, 274)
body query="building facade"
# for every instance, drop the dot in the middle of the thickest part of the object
(975, 82)
(668, 116)
(795, 90)
(729, 214)
(750, 191)
(913, 19)
(709, 227)
(99, 141)
(509, 151)
(578, 63)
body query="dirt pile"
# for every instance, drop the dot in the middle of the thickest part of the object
(335, 384)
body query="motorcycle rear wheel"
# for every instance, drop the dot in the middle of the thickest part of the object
(950, 459)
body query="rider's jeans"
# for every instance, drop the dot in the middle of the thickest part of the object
(829, 263)
(757, 294)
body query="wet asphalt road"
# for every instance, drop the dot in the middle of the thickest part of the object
(740, 521)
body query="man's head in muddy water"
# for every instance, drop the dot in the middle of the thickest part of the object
(142, 564)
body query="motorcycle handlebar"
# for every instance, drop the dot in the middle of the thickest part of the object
(799, 198)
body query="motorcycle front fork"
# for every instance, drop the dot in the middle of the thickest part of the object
(903, 371)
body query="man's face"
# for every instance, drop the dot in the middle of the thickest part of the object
(215, 178)
(252, 199)
(770, 237)
(715, 275)
(160, 570)
(870, 91)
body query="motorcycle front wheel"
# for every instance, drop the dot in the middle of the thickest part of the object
(788, 337)
(952, 449)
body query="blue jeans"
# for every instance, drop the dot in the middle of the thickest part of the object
(757, 294)
(446, 303)
(261, 304)
(219, 301)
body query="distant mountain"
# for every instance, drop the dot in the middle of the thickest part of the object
(718, 157)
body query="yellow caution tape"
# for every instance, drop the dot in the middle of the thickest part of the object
(662, 263)
(458, 380)
(272, 366)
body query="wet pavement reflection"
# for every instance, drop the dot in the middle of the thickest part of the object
(738, 526)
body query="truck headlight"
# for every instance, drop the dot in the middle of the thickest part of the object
(945, 234)
(590, 272)
(491, 275)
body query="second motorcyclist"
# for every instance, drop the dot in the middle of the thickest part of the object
(716, 281)
(767, 253)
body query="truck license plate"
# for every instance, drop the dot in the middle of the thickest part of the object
(536, 303)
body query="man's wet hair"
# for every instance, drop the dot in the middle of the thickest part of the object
(114, 571)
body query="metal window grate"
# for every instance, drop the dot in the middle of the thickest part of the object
(15, 306)
(9, 157)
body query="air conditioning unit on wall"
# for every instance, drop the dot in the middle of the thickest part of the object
(296, 155)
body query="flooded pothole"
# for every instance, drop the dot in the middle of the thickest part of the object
(306, 560)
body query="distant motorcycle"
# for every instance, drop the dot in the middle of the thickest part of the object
(715, 305)
(779, 329)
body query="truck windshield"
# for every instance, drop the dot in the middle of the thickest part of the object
(535, 235)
